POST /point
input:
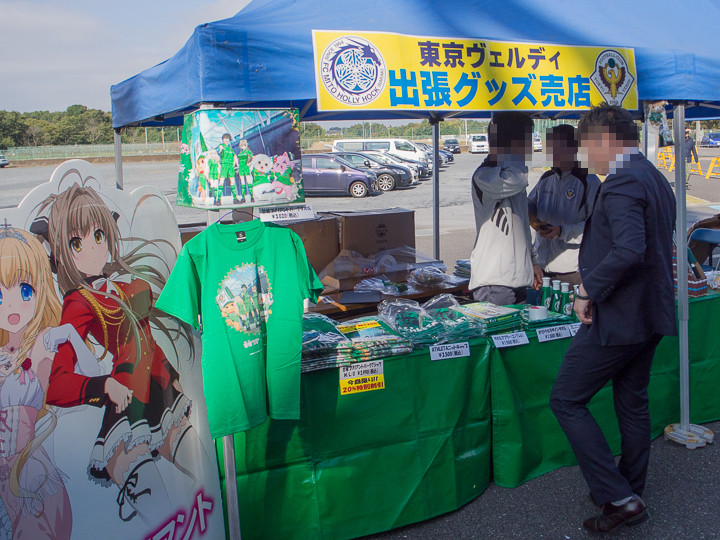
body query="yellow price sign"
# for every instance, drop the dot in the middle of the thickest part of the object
(362, 377)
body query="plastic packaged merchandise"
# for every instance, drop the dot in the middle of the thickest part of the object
(328, 344)
(462, 268)
(385, 286)
(433, 277)
(410, 320)
(436, 321)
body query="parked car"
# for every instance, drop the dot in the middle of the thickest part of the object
(399, 147)
(479, 143)
(425, 170)
(451, 145)
(388, 176)
(445, 155)
(3, 161)
(537, 142)
(710, 139)
(325, 173)
(382, 157)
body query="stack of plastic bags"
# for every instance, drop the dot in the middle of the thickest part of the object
(323, 345)
(462, 268)
(553, 319)
(328, 344)
(494, 319)
(436, 321)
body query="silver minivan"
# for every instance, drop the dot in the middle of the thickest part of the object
(399, 147)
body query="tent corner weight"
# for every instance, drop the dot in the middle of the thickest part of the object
(692, 437)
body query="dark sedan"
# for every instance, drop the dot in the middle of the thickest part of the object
(388, 176)
(451, 145)
(326, 173)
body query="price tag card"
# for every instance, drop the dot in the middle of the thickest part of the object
(285, 213)
(573, 328)
(449, 350)
(553, 332)
(510, 340)
(362, 377)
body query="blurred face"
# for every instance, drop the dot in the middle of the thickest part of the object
(560, 153)
(518, 150)
(598, 149)
(90, 252)
(17, 306)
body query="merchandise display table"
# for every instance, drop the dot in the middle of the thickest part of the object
(434, 436)
(528, 441)
(370, 461)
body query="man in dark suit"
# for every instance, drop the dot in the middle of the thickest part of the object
(626, 304)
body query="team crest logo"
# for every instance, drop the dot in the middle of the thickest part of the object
(570, 194)
(353, 70)
(612, 77)
(245, 298)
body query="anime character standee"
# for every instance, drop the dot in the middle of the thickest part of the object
(32, 491)
(106, 295)
(228, 164)
(244, 157)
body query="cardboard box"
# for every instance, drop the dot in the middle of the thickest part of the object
(320, 238)
(371, 231)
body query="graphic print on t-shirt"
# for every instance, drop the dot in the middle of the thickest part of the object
(245, 298)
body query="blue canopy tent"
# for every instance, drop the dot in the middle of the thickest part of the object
(263, 57)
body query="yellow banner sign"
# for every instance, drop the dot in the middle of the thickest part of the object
(385, 71)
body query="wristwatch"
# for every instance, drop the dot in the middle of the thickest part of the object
(579, 296)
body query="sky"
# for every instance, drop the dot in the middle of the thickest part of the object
(61, 53)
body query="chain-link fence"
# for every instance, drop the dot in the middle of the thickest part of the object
(26, 153)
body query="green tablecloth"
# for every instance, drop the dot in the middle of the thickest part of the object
(368, 462)
(528, 441)
(363, 463)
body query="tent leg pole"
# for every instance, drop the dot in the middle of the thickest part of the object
(117, 143)
(435, 121)
(233, 511)
(684, 433)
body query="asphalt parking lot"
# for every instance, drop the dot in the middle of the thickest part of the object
(682, 490)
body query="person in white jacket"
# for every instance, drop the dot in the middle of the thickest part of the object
(559, 204)
(503, 264)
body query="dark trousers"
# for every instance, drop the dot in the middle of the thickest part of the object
(587, 367)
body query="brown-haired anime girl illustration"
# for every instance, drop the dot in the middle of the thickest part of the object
(107, 295)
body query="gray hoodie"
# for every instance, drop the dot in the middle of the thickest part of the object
(503, 252)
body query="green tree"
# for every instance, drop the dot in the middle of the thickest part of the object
(12, 129)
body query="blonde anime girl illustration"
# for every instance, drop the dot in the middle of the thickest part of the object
(107, 295)
(32, 493)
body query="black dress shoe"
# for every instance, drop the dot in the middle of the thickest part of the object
(631, 513)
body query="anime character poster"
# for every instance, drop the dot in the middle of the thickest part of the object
(240, 158)
(103, 431)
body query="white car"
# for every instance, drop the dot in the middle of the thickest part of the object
(479, 143)
(537, 142)
(3, 161)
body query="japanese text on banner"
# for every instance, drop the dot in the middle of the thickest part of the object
(385, 71)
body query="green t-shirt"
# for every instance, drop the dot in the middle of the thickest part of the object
(247, 281)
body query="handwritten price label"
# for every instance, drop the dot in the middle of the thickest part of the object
(552, 333)
(449, 350)
(510, 340)
(285, 213)
(573, 328)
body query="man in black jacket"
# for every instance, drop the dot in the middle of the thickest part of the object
(690, 155)
(626, 304)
